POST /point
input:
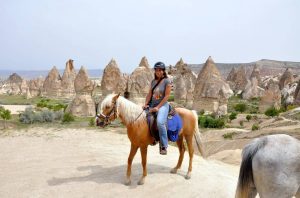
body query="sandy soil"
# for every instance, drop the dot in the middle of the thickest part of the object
(16, 109)
(92, 163)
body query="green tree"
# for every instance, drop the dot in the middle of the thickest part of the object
(232, 116)
(5, 114)
(249, 117)
(241, 107)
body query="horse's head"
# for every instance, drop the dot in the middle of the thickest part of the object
(108, 110)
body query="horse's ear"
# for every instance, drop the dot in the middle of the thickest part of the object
(116, 97)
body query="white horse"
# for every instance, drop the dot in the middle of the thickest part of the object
(270, 167)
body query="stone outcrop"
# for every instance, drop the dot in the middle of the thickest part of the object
(286, 78)
(83, 103)
(287, 94)
(112, 80)
(184, 81)
(210, 88)
(15, 85)
(140, 80)
(252, 90)
(256, 74)
(240, 79)
(67, 80)
(36, 86)
(52, 84)
(297, 94)
(82, 83)
(271, 98)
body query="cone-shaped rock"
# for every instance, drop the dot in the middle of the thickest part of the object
(286, 78)
(82, 83)
(52, 83)
(140, 80)
(256, 74)
(68, 78)
(240, 80)
(112, 79)
(184, 83)
(15, 85)
(252, 90)
(297, 94)
(82, 105)
(36, 86)
(232, 75)
(271, 97)
(208, 85)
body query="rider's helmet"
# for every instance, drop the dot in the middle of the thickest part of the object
(160, 65)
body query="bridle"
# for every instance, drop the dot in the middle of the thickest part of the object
(106, 118)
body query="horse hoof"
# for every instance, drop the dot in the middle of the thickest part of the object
(141, 182)
(188, 176)
(173, 170)
(128, 182)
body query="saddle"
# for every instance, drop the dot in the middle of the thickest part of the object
(174, 124)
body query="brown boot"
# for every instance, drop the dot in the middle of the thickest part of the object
(163, 150)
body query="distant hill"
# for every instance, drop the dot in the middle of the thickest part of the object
(267, 67)
(28, 74)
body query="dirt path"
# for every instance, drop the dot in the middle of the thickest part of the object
(92, 163)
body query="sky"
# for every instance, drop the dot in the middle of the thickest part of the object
(40, 34)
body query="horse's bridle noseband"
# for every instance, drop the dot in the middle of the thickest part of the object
(106, 118)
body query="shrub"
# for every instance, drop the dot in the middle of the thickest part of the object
(171, 98)
(232, 116)
(68, 117)
(210, 122)
(5, 114)
(28, 116)
(272, 112)
(229, 135)
(202, 112)
(290, 107)
(47, 115)
(241, 107)
(249, 117)
(58, 115)
(255, 127)
(92, 122)
(241, 123)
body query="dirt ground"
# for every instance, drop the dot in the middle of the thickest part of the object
(42, 162)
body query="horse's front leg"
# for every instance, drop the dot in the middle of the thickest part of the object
(144, 164)
(132, 153)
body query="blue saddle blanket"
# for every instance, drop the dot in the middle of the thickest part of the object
(174, 127)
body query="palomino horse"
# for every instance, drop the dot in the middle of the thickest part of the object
(270, 167)
(132, 115)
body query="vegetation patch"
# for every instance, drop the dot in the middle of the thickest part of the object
(229, 135)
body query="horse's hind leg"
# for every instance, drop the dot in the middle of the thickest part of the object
(189, 141)
(181, 149)
(144, 164)
(132, 153)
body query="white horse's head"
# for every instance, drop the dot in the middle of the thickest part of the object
(108, 110)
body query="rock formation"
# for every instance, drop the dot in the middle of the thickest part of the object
(252, 90)
(15, 85)
(209, 86)
(83, 103)
(112, 80)
(256, 74)
(36, 86)
(52, 84)
(271, 98)
(286, 78)
(140, 80)
(184, 83)
(67, 81)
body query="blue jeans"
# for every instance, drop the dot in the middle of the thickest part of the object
(162, 117)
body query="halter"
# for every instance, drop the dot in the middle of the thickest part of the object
(106, 118)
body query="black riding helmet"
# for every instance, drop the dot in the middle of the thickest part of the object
(160, 65)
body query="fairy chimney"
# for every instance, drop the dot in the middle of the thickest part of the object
(52, 83)
(286, 78)
(112, 79)
(184, 83)
(36, 86)
(82, 83)
(140, 79)
(240, 79)
(68, 78)
(256, 73)
(252, 90)
(271, 97)
(15, 85)
(208, 86)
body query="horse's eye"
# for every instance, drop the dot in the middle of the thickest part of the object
(106, 107)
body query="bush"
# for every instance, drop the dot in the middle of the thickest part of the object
(92, 122)
(68, 117)
(58, 115)
(255, 127)
(232, 116)
(290, 107)
(171, 98)
(202, 112)
(5, 114)
(47, 115)
(241, 107)
(28, 116)
(241, 123)
(210, 122)
(249, 117)
(272, 112)
(229, 135)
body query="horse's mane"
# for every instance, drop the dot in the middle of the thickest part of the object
(129, 110)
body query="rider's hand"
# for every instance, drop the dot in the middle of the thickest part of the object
(155, 109)
(145, 107)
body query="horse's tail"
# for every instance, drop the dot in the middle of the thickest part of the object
(199, 143)
(245, 181)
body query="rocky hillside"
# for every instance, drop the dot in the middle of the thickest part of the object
(267, 67)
